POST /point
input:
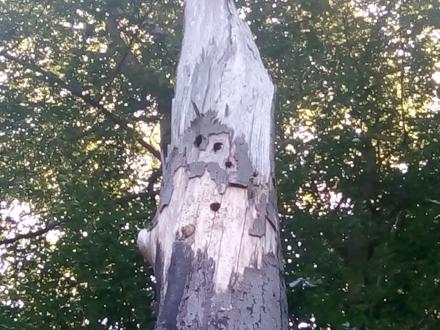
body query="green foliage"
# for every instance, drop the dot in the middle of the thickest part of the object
(358, 158)
(83, 87)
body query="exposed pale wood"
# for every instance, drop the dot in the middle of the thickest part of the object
(214, 243)
(220, 70)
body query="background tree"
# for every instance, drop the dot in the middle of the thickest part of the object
(83, 87)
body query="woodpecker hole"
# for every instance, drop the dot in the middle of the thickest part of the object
(217, 146)
(228, 164)
(215, 207)
(198, 140)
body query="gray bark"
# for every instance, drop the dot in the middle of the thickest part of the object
(214, 243)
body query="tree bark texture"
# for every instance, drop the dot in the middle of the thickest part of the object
(214, 243)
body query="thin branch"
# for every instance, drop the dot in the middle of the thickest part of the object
(33, 234)
(152, 180)
(402, 74)
(147, 119)
(115, 73)
(163, 94)
(154, 177)
(54, 80)
(119, 66)
(433, 201)
(128, 198)
(152, 83)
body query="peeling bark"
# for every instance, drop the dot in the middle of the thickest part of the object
(214, 242)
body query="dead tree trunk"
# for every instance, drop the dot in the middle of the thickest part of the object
(214, 243)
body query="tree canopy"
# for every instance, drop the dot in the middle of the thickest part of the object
(85, 98)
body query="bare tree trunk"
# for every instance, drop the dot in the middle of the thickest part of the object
(214, 243)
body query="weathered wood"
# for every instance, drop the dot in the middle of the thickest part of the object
(214, 243)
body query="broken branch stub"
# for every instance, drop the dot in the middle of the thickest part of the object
(214, 243)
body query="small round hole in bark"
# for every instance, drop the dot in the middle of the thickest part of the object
(228, 164)
(255, 174)
(217, 146)
(215, 206)
(198, 140)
